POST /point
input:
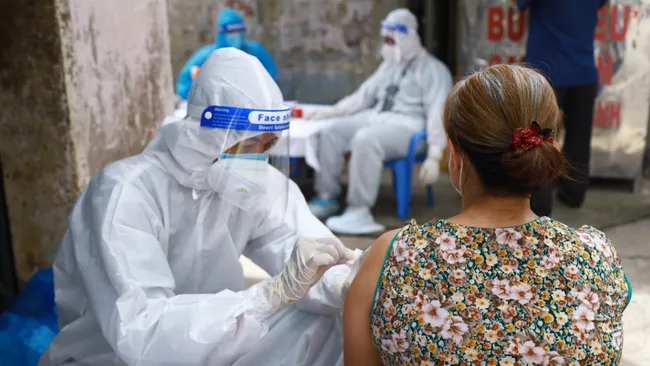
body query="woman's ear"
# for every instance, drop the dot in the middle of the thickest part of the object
(453, 153)
(450, 147)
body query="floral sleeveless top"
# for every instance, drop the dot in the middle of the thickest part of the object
(536, 294)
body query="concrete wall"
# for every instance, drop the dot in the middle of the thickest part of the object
(324, 49)
(35, 144)
(82, 83)
(118, 77)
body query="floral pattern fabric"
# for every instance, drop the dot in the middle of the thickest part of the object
(536, 294)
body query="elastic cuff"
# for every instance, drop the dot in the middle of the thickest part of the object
(259, 301)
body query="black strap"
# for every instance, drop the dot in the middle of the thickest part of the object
(408, 65)
(393, 89)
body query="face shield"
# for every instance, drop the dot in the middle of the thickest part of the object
(235, 117)
(399, 36)
(253, 173)
(234, 35)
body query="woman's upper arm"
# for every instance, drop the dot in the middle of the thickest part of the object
(359, 349)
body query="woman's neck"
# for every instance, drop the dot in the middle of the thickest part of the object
(494, 211)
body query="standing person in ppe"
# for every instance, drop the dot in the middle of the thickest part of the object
(148, 272)
(376, 123)
(231, 32)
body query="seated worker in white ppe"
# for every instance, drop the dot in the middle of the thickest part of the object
(376, 123)
(148, 271)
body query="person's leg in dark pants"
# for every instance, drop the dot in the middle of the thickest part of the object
(541, 201)
(579, 111)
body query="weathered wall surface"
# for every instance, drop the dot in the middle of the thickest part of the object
(35, 144)
(118, 77)
(324, 49)
(82, 83)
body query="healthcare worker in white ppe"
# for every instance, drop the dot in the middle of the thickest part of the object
(405, 95)
(148, 271)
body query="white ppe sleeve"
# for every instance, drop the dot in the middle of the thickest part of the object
(438, 80)
(130, 287)
(364, 97)
(271, 244)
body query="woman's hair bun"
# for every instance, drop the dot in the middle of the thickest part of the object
(483, 111)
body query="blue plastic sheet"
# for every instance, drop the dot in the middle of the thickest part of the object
(30, 324)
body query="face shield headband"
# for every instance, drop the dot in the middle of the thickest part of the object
(395, 27)
(233, 28)
(245, 119)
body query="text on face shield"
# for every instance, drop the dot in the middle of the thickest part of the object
(246, 119)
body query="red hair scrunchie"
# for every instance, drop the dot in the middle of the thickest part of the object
(526, 138)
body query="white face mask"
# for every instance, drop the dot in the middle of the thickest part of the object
(458, 189)
(240, 181)
(390, 53)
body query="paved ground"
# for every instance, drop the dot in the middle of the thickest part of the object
(624, 216)
(633, 245)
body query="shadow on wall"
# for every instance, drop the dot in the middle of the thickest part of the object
(318, 89)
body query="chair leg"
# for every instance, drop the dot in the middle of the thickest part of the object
(430, 198)
(295, 167)
(402, 173)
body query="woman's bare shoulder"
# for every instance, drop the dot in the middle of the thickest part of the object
(373, 259)
(379, 248)
(377, 252)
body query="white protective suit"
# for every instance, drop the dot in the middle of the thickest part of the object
(148, 272)
(374, 133)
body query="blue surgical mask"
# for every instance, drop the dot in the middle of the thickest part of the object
(262, 156)
(235, 40)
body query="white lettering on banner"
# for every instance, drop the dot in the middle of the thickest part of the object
(269, 117)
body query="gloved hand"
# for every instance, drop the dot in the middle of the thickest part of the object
(320, 113)
(337, 280)
(309, 260)
(430, 170)
(354, 268)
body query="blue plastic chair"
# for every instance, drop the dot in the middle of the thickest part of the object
(403, 176)
(296, 167)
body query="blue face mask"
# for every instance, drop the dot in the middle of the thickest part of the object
(262, 156)
(235, 40)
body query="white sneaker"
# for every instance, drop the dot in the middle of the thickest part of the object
(354, 222)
